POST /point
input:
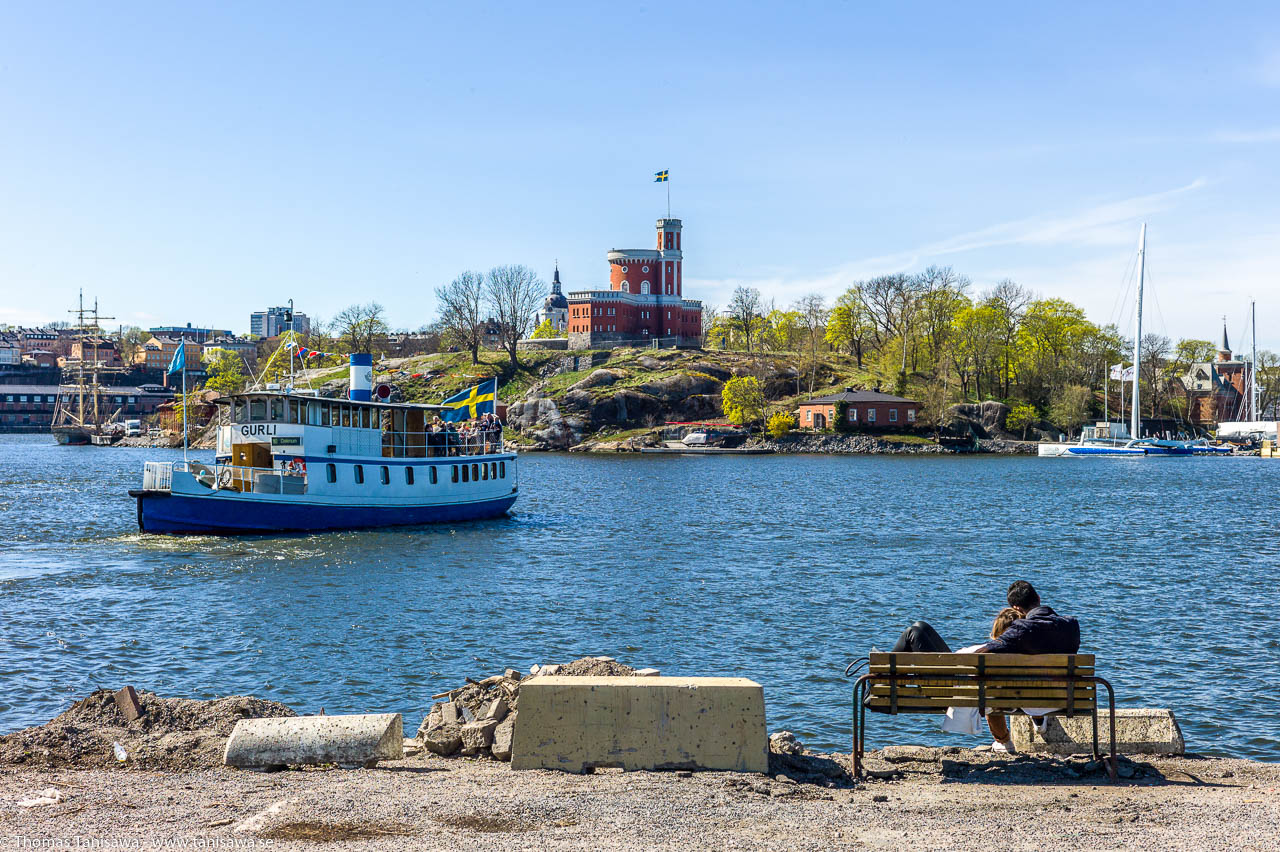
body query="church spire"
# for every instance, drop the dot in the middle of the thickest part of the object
(555, 281)
(1226, 347)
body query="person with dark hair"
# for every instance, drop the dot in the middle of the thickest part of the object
(1040, 630)
(1037, 630)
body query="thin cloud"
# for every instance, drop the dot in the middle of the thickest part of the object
(1097, 226)
(1247, 137)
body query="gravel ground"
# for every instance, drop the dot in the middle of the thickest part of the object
(929, 799)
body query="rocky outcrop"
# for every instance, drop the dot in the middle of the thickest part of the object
(538, 420)
(848, 444)
(983, 419)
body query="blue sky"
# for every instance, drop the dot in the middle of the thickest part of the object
(194, 162)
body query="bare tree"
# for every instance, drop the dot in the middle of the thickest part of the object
(361, 328)
(813, 313)
(709, 312)
(514, 292)
(461, 308)
(744, 307)
(1010, 299)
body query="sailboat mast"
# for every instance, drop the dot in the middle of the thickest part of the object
(1253, 362)
(1135, 425)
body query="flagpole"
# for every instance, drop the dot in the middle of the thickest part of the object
(184, 400)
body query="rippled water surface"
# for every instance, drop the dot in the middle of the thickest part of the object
(779, 568)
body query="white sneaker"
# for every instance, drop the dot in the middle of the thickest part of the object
(1003, 747)
(1042, 725)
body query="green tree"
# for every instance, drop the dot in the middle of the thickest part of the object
(224, 371)
(545, 331)
(1071, 407)
(849, 325)
(780, 424)
(743, 400)
(1020, 418)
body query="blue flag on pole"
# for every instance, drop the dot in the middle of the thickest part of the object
(472, 402)
(660, 177)
(179, 362)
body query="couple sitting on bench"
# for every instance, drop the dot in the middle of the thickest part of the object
(1024, 627)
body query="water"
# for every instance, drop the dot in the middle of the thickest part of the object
(779, 568)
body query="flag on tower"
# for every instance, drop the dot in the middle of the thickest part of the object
(660, 177)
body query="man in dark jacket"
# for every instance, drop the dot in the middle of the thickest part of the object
(1040, 630)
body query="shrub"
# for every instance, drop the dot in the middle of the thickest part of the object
(780, 424)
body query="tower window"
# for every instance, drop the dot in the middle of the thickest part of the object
(624, 269)
(644, 269)
(644, 288)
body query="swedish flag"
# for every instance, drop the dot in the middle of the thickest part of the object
(660, 177)
(472, 402)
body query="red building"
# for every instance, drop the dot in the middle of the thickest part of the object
(644, 301)
(862, 410)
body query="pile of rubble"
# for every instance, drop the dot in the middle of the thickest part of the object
(478, 719)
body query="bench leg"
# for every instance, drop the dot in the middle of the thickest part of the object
(1111, 761)
(859, 726)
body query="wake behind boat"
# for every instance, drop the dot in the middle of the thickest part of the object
(290, 461)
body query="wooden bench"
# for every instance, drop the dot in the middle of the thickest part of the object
(1005, 683)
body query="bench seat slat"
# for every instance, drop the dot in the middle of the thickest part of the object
(1003, 705)
(1055, 671)
(881, 658)
(944, 694)
(961, 683)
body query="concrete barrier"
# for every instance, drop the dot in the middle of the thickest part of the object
(1138, 731)
(357, 740)
(579, 723)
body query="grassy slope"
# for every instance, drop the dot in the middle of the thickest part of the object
(444, 374)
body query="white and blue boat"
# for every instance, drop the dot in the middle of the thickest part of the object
(290, 461)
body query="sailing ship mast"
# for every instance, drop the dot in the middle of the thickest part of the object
(1253, 363)
(1135, 424)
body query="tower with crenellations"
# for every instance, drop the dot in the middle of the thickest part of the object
(645, 300)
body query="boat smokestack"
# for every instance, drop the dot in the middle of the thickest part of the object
(361, 378)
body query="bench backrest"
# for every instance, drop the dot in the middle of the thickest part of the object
(930, 683)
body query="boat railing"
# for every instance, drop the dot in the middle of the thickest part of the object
(439, 444)
(158, 476)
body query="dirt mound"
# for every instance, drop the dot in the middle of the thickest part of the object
(171, 733)
(592, 667)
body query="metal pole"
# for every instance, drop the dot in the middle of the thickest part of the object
(1253, 363)
(1136, 413)
(184, 399)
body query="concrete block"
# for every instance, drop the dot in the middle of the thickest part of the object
(1138, 731)
(501, 747)
(648, 673)
(358, 740)
(443, 740)
(495, 710)
(477, 736)
(449, 714)
(579, 723)
(127, 701)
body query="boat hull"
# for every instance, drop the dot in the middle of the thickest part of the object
(180, 514)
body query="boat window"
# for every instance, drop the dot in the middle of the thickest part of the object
(455, 473)
(324, 415)
(313, 413)
(257, 410)
(359, 474)
(346, 415)
(295, 411)
(237, 411)
(475, 472)
(502, 469)
(484, 471)
(408, 474)
(386, 475)
(434, 476)
(465, 471)
(493, 470)
(277, 410)
(331, 472)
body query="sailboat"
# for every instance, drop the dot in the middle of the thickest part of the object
(80, 415)
(1251, 428)
(1112, 439)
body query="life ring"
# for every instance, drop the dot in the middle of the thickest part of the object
(224, 478)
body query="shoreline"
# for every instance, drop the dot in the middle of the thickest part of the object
(923, 799)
